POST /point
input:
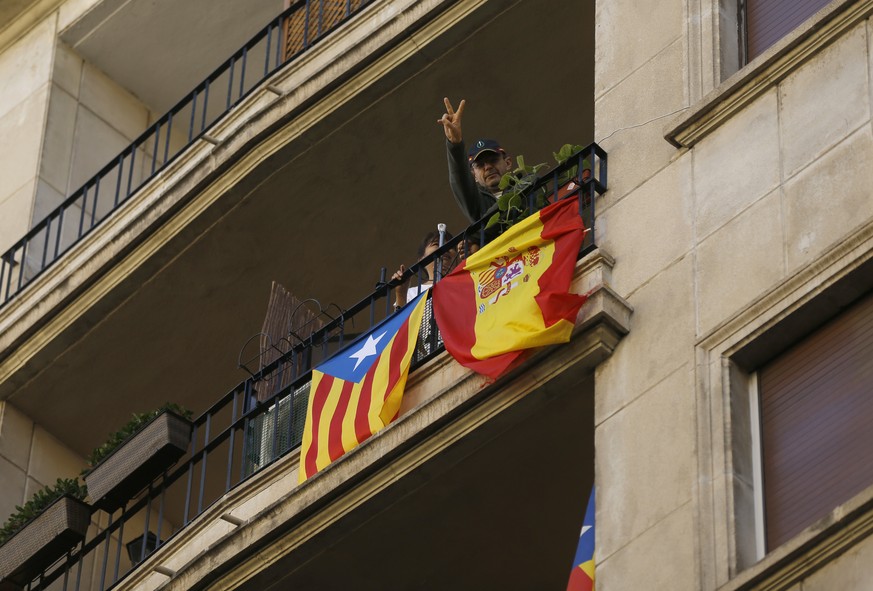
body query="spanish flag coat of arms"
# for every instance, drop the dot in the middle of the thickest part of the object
(513, 294)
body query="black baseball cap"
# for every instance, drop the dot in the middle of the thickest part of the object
(481, 146)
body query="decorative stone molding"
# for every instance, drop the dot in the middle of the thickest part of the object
(766, 71)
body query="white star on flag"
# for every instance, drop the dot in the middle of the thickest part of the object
(368, 349)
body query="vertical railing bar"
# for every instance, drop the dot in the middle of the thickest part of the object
(157, 142)
(67, 569)
(190, 475)
(324, 350)
(275, 444)
(145, 532)
(79, 566)
(242, 73)
(161, 510)
(205, 105)
(280, 24)
(106, 554)
(45, 247)
(82, 212)
(118, 179)
(204, 458)
(21, 267)
(167, 141)
(93, 211)
(555, 185)
(230, 81)
(96, 194)
(3, 265)
(118, 546)
(11, 263)
(307, 357)
(267, 49)
(193, 114)
(232, 442)
(130, 172)
(247, 390)
(60, 231)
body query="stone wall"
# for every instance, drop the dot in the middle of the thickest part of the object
(702, 234)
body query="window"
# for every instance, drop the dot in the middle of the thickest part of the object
(764, 22)
(785, 424)
(816, 422)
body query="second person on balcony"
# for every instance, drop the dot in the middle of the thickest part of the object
(404, 292)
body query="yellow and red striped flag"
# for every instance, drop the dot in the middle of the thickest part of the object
(513, 294)
(358, 391)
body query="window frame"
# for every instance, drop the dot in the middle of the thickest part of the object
(729, 500)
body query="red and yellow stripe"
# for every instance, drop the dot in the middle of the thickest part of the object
(342, 414)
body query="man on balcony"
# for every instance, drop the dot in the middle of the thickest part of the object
(474, 176)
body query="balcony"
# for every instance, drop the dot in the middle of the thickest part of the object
(284, 39)
(239, 474)
(316, 187)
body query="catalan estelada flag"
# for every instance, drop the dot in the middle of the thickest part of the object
(358, 391)
(513, 294)
(582, 575)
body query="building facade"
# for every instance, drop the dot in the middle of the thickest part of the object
(163, 163)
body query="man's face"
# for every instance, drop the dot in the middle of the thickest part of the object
(489, 167)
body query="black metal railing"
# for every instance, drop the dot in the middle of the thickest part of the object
(238, 435)
(288, 35)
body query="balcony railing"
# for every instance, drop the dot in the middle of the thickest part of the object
(291, 33)
(238, 435)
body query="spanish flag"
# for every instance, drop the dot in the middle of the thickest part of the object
(357, 392)
(513, 294)
(582, 575)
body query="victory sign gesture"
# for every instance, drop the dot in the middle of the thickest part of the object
(451, 121)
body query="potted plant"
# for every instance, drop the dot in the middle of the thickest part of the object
(135, 454)
(515, 187)
(52, 522)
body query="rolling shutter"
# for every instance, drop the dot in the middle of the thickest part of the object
(817, 423)
(767, 21)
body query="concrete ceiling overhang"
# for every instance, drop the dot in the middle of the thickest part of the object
(160, 49)
(352, 194)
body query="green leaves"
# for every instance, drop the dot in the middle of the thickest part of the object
(38, 503)
(565, 152)
(136, 423)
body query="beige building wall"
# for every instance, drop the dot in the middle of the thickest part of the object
(30, 458)
(61, 120)
(703, 235)
(25, 69)
(90, 120)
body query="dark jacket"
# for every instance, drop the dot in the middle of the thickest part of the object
(473, 200)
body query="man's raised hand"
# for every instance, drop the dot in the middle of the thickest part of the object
(451, 121)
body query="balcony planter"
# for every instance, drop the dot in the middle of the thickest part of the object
(42, 541)
(138, 460)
